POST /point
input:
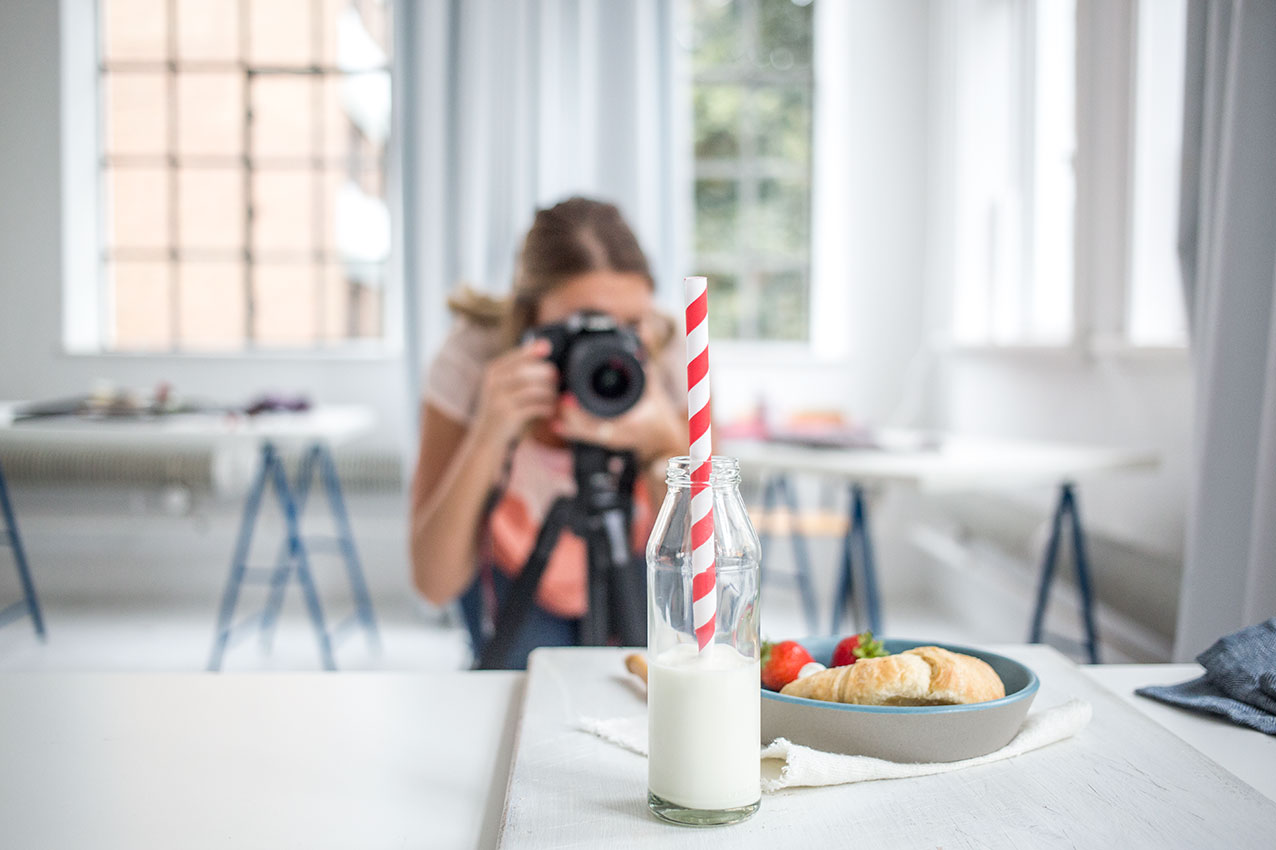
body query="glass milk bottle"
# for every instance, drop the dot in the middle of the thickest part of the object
(703, 705)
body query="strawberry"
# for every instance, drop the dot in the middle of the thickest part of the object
(781, 663)
(853, 648)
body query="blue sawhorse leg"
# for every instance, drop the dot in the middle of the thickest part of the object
(301, 563)
(29, 599)
(1067, 508)
(284, 563)
(859, 541)
(779, 486)
(345, 539)
(318, 461)
(271, 471)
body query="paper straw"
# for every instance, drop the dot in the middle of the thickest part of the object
(703, 582)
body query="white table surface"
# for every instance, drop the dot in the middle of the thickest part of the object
(1123, 781)
(1248, 754)
(334, 424)
(288, 760)
(374, 760)
(954, 462)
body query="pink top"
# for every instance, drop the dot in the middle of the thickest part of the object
(538, 474)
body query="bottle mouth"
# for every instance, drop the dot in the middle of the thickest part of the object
(723, 471)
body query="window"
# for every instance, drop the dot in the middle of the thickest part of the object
(1014, 198)
(751, 88)
(1155, 312)
(243, 167)
(1066, 128)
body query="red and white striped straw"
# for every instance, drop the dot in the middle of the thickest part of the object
(704, 596)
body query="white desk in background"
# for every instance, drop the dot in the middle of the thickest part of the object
(229, 438)
(464, 760)
(936, 463)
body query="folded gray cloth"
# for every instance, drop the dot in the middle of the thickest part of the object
(1239, 681)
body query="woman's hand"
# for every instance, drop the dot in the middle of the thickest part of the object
(653, 428)
(519, 387)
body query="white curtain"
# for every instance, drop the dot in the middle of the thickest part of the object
(517, 104)
(1228, 247)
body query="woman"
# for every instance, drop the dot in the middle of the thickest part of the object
(493, 453)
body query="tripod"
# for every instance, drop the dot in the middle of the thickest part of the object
(599, 513)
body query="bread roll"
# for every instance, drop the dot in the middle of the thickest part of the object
(925, 675)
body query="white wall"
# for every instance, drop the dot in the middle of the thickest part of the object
(32, 361)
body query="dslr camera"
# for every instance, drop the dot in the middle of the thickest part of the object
(599, 361)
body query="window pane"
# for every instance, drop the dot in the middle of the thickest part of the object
(716, 208)
(339, 134)
(211, 203)
(783, 119)
(140, 306)
(284, 304)
(752, 150)
(336, 304)
(281, 32)
(717, 121)
(352, 301)
(357, 223)
(355, 115)
(208, 30)
(210, 114)
(781, 223)
(724, 301)
(1155, 310)
(284, 215)
(785, 307)
(211, 305)
(136, 109)
(367, 311)
(365, 98)
(784, 34)
(715, 36)
(138, 208)
(282, 109)
(134, 30)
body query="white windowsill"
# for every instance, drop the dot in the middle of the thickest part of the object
(781, 354)
(1111, 348)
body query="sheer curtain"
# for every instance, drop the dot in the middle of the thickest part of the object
(1228, 247)
(516, 105)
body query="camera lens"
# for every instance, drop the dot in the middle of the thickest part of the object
(611, 381)
(604, 374)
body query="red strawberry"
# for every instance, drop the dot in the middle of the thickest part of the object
(852, 649)
(781, 663)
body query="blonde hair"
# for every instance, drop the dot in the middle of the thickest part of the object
(571, 238)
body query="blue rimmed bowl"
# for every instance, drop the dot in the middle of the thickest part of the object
(905, 733)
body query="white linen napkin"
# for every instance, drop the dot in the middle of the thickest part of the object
(789, 765)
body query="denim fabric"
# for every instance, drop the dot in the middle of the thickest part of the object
(541, 628)
(1239, 682)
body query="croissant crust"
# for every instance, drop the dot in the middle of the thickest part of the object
(925, 675)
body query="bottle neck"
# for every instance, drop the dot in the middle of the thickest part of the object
(723, 472)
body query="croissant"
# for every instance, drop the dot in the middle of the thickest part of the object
(925, 675)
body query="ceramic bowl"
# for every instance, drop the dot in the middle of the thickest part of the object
(909, 733)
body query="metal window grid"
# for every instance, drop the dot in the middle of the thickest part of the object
(356, 162)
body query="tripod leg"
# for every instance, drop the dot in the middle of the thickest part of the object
(519, 600)
(628, 587)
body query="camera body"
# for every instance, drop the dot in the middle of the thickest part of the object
(599, 361)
